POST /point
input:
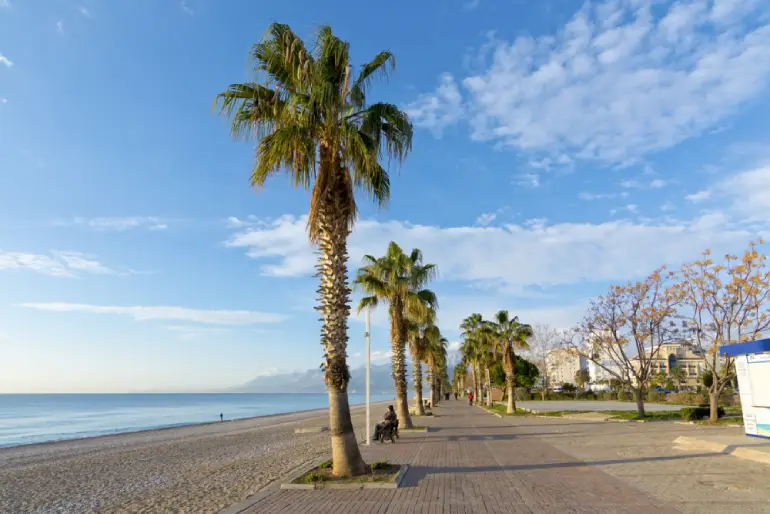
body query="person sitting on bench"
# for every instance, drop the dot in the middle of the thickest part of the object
(389, 418)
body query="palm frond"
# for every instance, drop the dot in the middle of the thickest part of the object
(382, 65)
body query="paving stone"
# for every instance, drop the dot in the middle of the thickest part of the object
(473, 462)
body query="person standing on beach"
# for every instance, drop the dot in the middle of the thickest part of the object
(221, 417)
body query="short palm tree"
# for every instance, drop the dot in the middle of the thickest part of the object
(398, 279)
(309, 113)
(510, 335)
(678, 376)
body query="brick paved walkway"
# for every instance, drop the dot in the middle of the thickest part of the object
(473, 462)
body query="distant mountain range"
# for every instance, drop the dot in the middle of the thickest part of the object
(311, 381)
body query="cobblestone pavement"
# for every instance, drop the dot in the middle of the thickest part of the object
(473, 462)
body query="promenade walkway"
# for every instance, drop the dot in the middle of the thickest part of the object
(474, 462)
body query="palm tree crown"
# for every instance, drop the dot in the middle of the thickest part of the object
(309, 112)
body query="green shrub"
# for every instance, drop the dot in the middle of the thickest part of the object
(656, 397)
(379, 464)
(585, 395)
(521, 394)
(697, 413)
(695, 399)
(625, 396)
(327, 464)
(607, 396)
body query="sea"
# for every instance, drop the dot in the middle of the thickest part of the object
(39, 418)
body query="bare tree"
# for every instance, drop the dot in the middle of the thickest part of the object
(625, 329)
(545, 338)
(724, 304)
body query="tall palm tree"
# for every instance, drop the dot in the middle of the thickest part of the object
(477, 334)
(398, 279)
(458, 376)
(435, 357)
(510, 335)
(418, 347)
(309, 113)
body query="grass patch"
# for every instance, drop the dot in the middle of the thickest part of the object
(727, 420)
(379, 471)
(500, 409)
(327, 464)
(416, 427)
(632, 415)
(414, 413)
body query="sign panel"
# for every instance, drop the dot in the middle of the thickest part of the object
(753, 373)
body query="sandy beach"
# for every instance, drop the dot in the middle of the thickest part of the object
(199, 468)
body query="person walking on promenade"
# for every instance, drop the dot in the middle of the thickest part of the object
(470, 398)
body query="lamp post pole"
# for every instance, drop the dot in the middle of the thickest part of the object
(367, 335)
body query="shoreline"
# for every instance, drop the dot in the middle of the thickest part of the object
(193, 468)
(179, 426)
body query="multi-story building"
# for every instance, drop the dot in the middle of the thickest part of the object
(602, 370)
(562, 365)
(679, 354)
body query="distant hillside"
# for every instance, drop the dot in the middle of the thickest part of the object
(311, 381)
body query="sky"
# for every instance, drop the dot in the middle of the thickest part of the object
(559, 147)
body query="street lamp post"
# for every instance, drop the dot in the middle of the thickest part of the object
(368, 338)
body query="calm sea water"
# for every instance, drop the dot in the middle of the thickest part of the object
(37, 418)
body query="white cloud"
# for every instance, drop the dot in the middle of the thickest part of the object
(486, 218)
(118, 224)
(747, 192)
(637, 184)
(699, 196)
(455, 308)
(633, 208)
(618, 81)
(5, 60)
(3, 100)
(148, 313)
(527, 179)
(437, 110)
(380, 355)
(668, 206)
(5, 4)
(186, 8)
(57, 264)
(60, 27)
(510, 256)
(601, 196)
(84, 12)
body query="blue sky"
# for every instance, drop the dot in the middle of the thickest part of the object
(559, 147)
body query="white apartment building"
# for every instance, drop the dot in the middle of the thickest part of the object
(600, 370)
(562, 365)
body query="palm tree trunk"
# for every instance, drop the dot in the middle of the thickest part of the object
(510, 382)
(398, 329)
(479, 384)
(473, 379)
(489, 389)
(417, 378)
(334, 305)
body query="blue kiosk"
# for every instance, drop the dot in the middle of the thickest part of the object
(752, 367)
